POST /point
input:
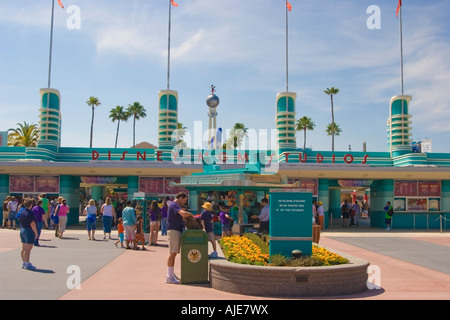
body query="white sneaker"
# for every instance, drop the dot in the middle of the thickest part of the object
(29, 266)
(172, 280)
(388, 228)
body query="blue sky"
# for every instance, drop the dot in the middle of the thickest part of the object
(119, 55)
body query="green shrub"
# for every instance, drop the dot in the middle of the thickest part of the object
(278, 260)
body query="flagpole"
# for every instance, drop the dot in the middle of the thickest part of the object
(287, 55)
(51, 45)
(401, 49)
(168, 47)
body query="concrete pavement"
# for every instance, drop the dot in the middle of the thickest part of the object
(405, 266)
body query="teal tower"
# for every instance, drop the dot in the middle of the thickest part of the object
(167, 122)
(399, 126)
(50, 119)
(285, 125)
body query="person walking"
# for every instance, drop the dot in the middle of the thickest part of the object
(108, 213)
(45, 206)
(62, 211)
(39, 214)
(129, 224)
(164, 211)
(175, 227)
(206, 221)
(314, 211)
(389, 212)
(5, 212)
(226, 220)
(28, 233)
(356, 212)
(91, 218)
(155, 222)
(345, 213)
(12, 211)
(321, 215)
(263, 216)
(120, 232)
(140, 238)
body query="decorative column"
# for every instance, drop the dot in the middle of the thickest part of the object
(4, 186)
(285, 125)
(133, 186)
(381, 191)
(69, 188)
(324, 196)
(50, 119)
(399, 126)
(167, 123)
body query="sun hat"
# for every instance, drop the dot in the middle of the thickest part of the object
(207, 206)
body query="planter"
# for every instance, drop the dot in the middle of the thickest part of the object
(271, 281)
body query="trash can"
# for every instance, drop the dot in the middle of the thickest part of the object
(316, 233)
(194, 256)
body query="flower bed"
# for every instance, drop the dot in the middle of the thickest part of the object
(308, 280)
(243, 250)
(250, 249)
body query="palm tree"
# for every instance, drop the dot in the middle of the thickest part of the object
(26, 135)
(332, 92)
(332, 130)
(93, 102)
(181, 131)
(137, 111)
(118, 114)
(237, 135)
(304, 124)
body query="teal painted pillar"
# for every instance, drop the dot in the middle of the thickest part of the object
(69, 189)
(133, 186)
(324, 196)
(445, 196)
(194, 201)
(335, 203)
(4, 186)
(381, 192)
(97, 192)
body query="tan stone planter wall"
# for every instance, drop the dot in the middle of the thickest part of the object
(271, 281)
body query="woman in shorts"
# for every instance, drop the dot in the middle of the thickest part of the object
(28, 233)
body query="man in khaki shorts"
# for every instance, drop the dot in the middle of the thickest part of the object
(175, 226)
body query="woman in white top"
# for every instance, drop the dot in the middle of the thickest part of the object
(108, 214)
(91, 216)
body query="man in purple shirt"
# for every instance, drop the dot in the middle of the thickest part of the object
(175, 226)
(38, 212)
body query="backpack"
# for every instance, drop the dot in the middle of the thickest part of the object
(344, 208)
(390, 212)
(158, 214)
(18, 214)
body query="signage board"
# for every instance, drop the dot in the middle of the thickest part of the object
(290, 221)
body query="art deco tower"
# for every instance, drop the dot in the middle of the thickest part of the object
(50, 119)
(399, 126)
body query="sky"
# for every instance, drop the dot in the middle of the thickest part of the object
(117, 51)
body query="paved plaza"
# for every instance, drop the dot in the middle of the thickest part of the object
(406, 265)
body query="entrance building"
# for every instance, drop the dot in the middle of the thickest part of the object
(417, 184)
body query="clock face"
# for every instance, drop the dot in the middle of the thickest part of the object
(194, 255)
